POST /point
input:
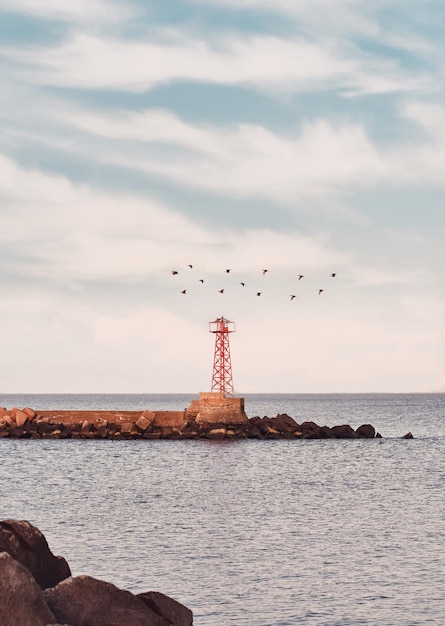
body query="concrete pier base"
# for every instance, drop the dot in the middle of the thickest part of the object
(215, 408)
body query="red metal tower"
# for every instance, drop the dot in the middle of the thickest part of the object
(222, 365)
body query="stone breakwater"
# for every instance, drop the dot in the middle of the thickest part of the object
(37, 589)
(118, 425)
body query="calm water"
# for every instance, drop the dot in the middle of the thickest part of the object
(247, 533)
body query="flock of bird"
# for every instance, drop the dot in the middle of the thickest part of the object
(243, 284)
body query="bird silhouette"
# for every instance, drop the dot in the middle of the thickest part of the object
(292, 297)
(185, 291)
(300, 276)
(265, 272)
(221, 291)
(320, 291)
(190, 266)
(242, 284)
(333, 275)
(174, 272)
(258, 293)
(201, 280)
(227, 271)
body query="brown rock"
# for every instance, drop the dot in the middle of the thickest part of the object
(284, 423)
(343, 432)
(143, 423)
(85, 601)
(13, 411)
(127, 428)
(408, 436)
(20, 418)
(26, 544)
(22, 602)
(86, 427)
(29, 412)
(366, 431)
(174, 612)
(216, 433)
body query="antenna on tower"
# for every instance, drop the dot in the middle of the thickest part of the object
(222, 365)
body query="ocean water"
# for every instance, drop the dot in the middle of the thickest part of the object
(251, 533)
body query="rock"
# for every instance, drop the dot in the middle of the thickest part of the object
(26, 544)
(22, 602)
(85, 601)
(126, 428)
(366, 431)
(378, 436)
(85, 428)
(285, 424)
(20, 418)
(29, 412)
(343, 432)
(216, 433)
(143, 423)
(309, 427)
(408, 436)
(174, 612)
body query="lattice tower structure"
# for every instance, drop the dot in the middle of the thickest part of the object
(222, 380)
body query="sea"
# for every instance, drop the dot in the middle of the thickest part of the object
(250, 533)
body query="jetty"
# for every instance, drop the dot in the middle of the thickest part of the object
(211, 416)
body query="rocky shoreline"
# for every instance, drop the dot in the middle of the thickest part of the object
(123, 425)
(37, 589)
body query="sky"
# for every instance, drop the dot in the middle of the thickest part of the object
(305, 137)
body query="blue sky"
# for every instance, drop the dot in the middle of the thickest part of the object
(305, 137)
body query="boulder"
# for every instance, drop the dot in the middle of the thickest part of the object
(174, 612)
(216, 433)
(366, 431)
(343, 432)
(143, 423)
(29, 412)
(26, 544)
(308, 427)
(127, 428)
(22, 602)
(84, 600)
(408, 436)
(285, 424)
(20, 418)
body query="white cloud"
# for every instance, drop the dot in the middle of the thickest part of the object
(264, 62)
(76, 11)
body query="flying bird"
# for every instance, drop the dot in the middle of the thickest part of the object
(320, 291)
(292, 297)
(333, 275)
(300, 276)
(265, 272)
(185, 291)
(227, 271)
(190, 266)
(258, 293)
(174, 272)
(201, 280)
(242, 284)
(221, 291)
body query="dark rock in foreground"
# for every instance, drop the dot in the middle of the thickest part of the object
(28, 546)
(21, 600)
(79, 601)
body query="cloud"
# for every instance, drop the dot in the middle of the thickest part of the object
(55, 229)
(74, 11)
(264, 62)
(248, 160)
